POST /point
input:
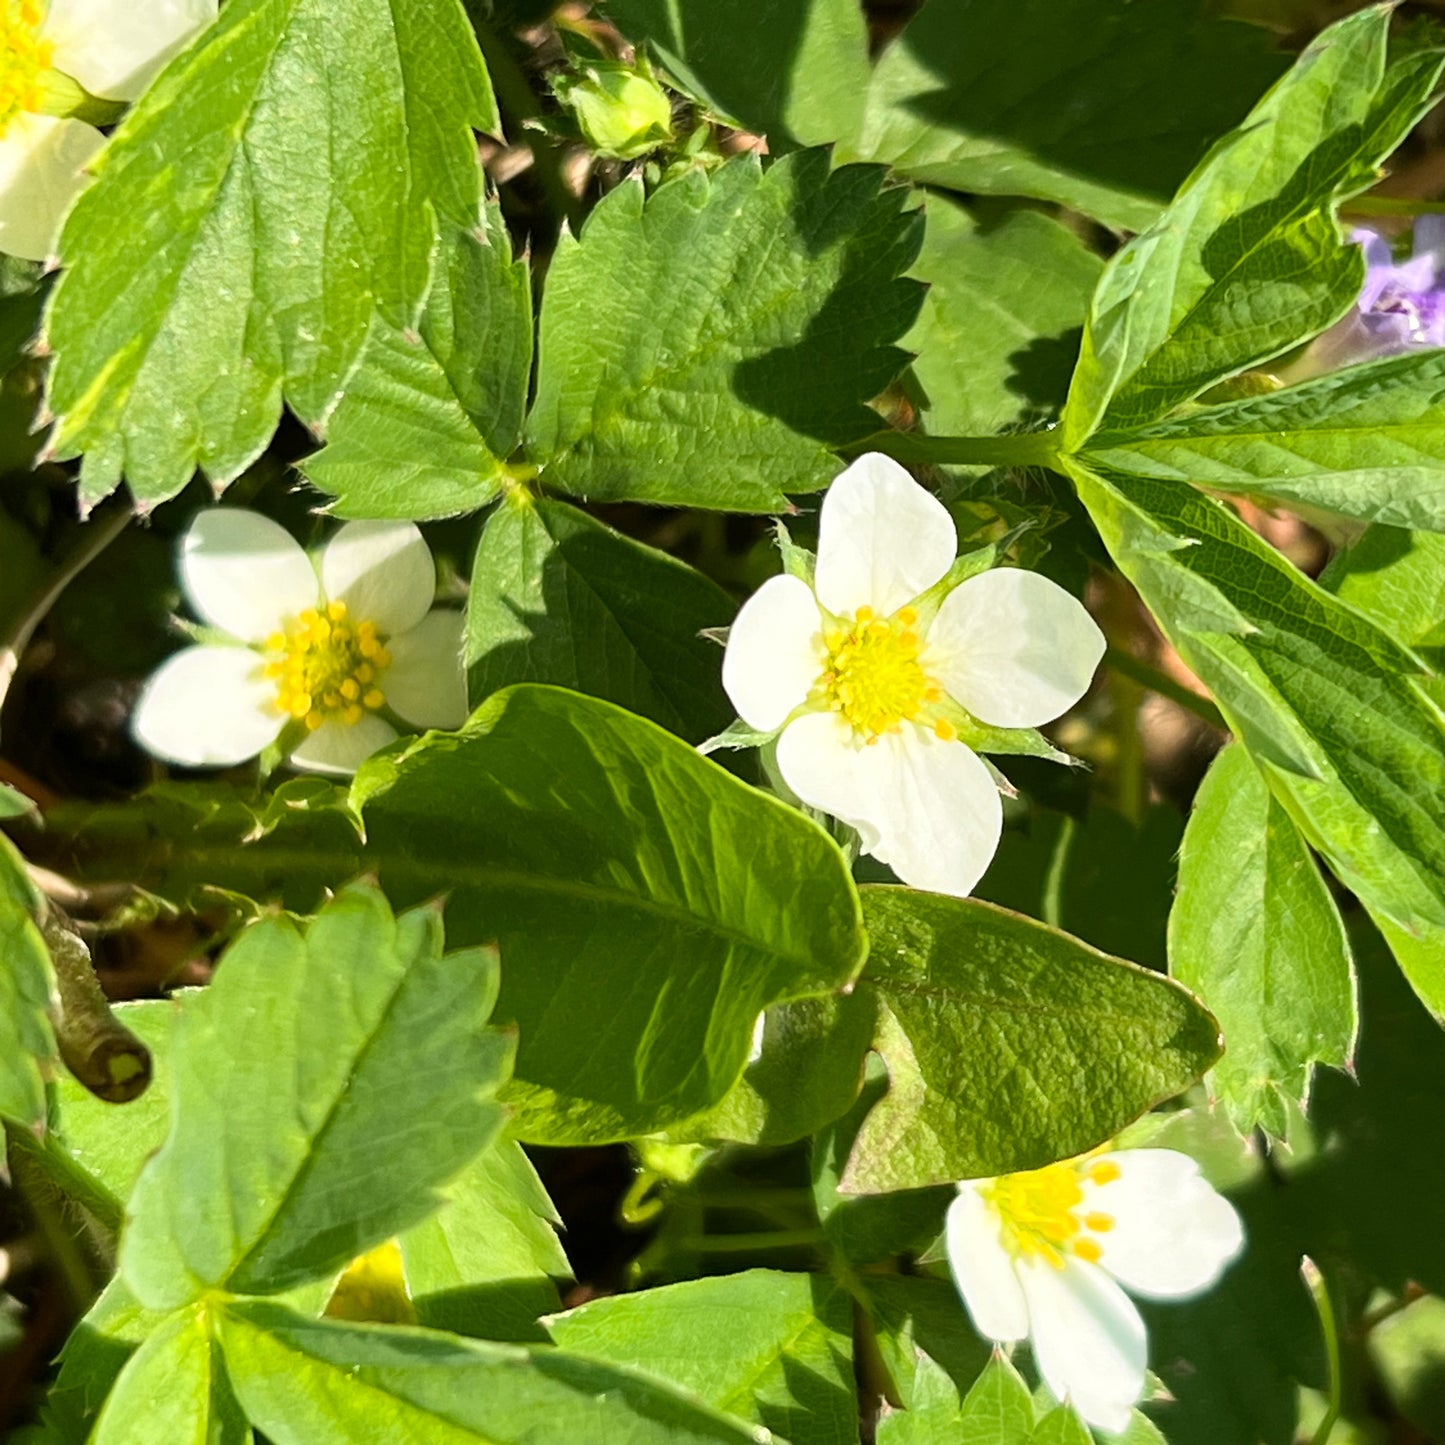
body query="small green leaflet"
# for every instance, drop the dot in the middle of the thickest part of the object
(485, 1263)
(314, 1382)
(1326, 702)
(174, 1388)
(770, 1347)
(794, 70)
(1102, 105)
(1366, 442)
(278, 186)
(357, 1030)
(1249, 259)
(1008, 1044)
(653, 891)
(1255, 932)
(997, 335)
(706, 346)
(27, 1045)
(430, 415)
(558, 597)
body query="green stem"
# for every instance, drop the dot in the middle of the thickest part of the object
(1389, 206)
(747, 1243)
(1156, 681)
(46, 1204)
(68, 1175)
(1324, 1308)
(1015, 449)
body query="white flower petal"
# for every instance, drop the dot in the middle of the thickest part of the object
(426, 682)
(983, 1269)
(244, 573)
(772, 658)
(1088, 1340)
(41, 160)
(114, 48)
(1172, 1234)
(207, 707)
(882, 539)
(1014, 648)
(927, 808)
(383, 571)
(340, 748)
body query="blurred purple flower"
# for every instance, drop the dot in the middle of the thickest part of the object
(1402, 304)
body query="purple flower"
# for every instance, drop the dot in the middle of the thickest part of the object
(1402, 304)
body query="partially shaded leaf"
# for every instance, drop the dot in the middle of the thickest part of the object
(277, 186)
(558, 597)
(770, 1347)
(319, 1044)
(1255, 933)
(319, 1383)
(430, 415)
(27, 1044)
(1008, 1044)
(707, 345)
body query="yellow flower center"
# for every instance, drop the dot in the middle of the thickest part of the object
(1041, 1210)
(874, 677)
(24, 58)
(326, 667)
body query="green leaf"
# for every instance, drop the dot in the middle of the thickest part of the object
(1249, 259)
(27, 1044)
(1061, 1426)
(997, 1410)
(1367, 442)
(1408, 1352)
(14, 804)
(772, 1348)
(931, 1353)
(174, 1388)
(1321, 697)
(1256, 934)
(653, 891)
(359, 1029)
(1101, 106)
(796, 73)
(1008, 1044)
(318, 1383)
(113, 1141)
(808, 1073)
(868, 1228)
(996, 338)
(560, 598)
(677, 368)
(431, 414)
(278, 185)
(485, 1263)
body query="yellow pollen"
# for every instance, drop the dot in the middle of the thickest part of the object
(1040, 1210)
(873, 675)
(24, 59)
(325, 666)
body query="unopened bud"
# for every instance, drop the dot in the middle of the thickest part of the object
(622, 112)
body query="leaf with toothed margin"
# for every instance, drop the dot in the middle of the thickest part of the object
(277, 186)
(321, 1042)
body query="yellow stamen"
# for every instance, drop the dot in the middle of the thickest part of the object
(1041, 1214)
(24, 59)
(324, 666)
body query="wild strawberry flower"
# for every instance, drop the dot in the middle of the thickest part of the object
(58, 57)
(322, 651)
(873, 673)
(1042, 1256)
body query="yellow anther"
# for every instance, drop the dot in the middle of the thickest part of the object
(872, 674)
(1041, 1211)
(945, 730)
(324, 666)
(863, 616)
(24, 59)
(907, 616)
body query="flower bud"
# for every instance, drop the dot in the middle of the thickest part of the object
(623, 112)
